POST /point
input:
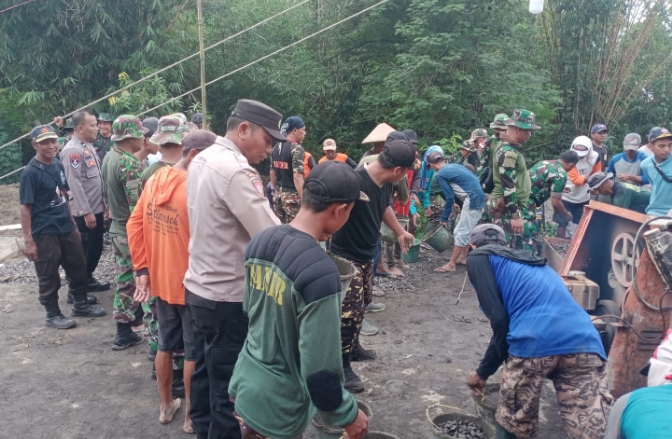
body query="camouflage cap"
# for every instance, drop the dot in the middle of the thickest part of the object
(68, 124)
(468, 145)
(479, 132)
(499, 121)
(523, 119)
(171, 129)
(105, 117)
(127, 126)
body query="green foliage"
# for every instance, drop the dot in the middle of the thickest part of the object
(145, 96)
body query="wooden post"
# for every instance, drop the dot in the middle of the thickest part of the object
(201, 46)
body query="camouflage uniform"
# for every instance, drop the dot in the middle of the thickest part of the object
(357, 297)
(580, 382)
(68, 130)
(286, 203)
(125, 308)
(459, 159)
(103, 144)
(510, 196)
(547, 179)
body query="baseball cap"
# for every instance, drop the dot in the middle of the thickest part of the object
(399, 153)
(434, 157)
(329, 145)
(43, 132)
(127, 126)
(396, 135)
(151, 123)
(171, 129)
(598, 178)
(199, 140)
(260, 114)
(412, 136)
(651, 133)
(292, 123)
(582, 146)
(338, 183)
(632, 141)
(658, 133)
(486, 232)
(598, 128)
(479, 132)
(197, 118)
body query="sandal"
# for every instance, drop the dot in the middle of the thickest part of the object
(443, 270)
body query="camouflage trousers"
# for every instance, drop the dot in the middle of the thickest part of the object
(124, 307)
(580, 382)
(286, 204)
(356, 298)
(529, 240)
(151, 319)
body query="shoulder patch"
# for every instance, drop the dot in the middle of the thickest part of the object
(256, 181)
(75, 160)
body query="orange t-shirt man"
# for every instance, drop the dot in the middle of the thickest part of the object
(158, 233)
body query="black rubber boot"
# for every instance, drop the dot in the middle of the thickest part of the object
(94, 285)
(361, 354)
(151, 355)
(352, 382)
(81, 307)
(501, 433)
(91, 300)
(126, 337)
(56, 319)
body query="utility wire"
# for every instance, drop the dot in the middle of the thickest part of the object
(151, 75)
(267, 56)
(236, 70)
(16, 6)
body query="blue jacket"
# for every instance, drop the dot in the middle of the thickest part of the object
(531, 312)
(456, 180)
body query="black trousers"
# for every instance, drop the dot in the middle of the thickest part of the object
(92, 241)
(55, 250)
(220, 329)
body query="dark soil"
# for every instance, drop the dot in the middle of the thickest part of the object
(462, 430)
(560, 249)
(70, 384)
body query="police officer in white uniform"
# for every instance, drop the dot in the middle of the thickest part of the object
(82, 169)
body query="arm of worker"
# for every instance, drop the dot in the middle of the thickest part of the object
(558, 207)
(576, 178)
(274, 179)
(319, 323)
(482, 278)
(614, 423)
(298, 156)
(136, 244)
(351, 162)
(246, 201)
(402, 190)
(448, 196)
(29, 249)
(404, 238)
(508, 161)
(415, 184)
(72, 162)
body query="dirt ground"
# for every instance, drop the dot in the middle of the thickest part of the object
(70, 384)
(9, 208)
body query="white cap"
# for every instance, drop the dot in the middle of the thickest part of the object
(329, 145)
(582, 145)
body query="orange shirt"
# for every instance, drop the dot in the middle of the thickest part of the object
(306, 164)
(339, 158)
(158, 234)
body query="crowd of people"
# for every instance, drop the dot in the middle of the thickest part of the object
(242, 306)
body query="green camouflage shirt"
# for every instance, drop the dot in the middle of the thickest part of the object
(546, 178)
(62, 141)
(121, 174)
(103, 144)
(512, 182)
(298, 156)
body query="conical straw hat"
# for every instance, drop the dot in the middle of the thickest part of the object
(379, 133)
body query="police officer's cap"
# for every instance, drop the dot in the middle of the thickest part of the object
(260, 114)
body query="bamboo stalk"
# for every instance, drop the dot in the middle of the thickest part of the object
(202, 54)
